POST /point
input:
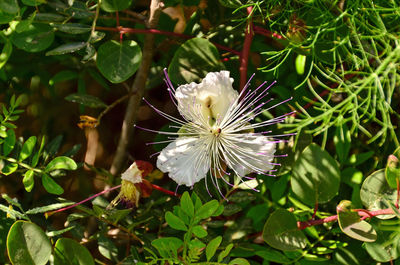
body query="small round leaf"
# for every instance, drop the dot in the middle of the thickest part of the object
(281, 231)
(376, 194)
(118, 61)
(68, 251)
(36, 38)
(27, 244)
(193, 60)
(61, 162)
(316, 176)
(51, 186)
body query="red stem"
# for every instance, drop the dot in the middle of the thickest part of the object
(244, 55)
(85, 200)
(266, 32)
(156, 187)
(361, 212)
(123, 30)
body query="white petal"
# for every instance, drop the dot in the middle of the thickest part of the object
(186, 160)
(248, 153)
(132, 174)
(211, 98)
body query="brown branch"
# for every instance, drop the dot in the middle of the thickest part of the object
(138, 86)
(244, 55)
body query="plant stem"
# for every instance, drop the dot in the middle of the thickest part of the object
(162, 32)
(361, 212)
(138, 86)
(244, 55)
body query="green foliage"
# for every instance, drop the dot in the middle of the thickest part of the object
(71, 59)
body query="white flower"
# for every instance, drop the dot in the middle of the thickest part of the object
(216, 133)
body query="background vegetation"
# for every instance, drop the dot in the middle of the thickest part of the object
(72, 76)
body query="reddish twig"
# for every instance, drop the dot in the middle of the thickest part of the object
(123, 30)
(267, 33)
(244, 55)
(361, 212)
(168, 192)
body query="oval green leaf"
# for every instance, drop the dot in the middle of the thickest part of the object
(207, 209)
(187, 204)
(316, 176)
(351, 224)
(27, 244)
(193, 60)
(376, 194)
(9, 142)
(167, 246)
(384, 249)
(300, 64)
(5, 53)
(36, 38)
(115, 5)
(212, 247)
(51, 186)
(118, 61)
(28, 180)
(61, 162)
(175, 222)
(199, 231)
(67, 251)
(9, 6)
(73, 28)
(281, 232)
(27, 148)
(67, 48)
(86, 100)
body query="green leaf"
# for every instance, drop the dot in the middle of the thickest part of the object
(187, 204)
(175, 222)
(27, 148)
(350, 223)
(67, 48)
(225, 252)
(392, 171)
(281, 232)
(231, 209)
(376, 194)
(9, 6)
(5, 53)
(73, 28)
(49, 17)
(24, 24)
(272, 255)
(384, 249)
(199, 231)
(11, 213)
(36, 156)
(61, 162)
(5, 224)
(207, 209)
(47, 208)
(118, 61)
(230, 3)
(115, 5)
(107, 248)
(167, 246)
(36, 38)
(342, 141)
(300, 63)
(316, 176)
(9, 142)
(62, 76)
(239, 261)
(212, 247)
(9, 168)
(86, 100)
(33, 2)
(193, 60)
(51, 186)
(28, 180)
(67, 251)
(27, 244)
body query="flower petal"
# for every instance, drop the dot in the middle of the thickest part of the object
(247, 153)
(186, 160)
(211, 98)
